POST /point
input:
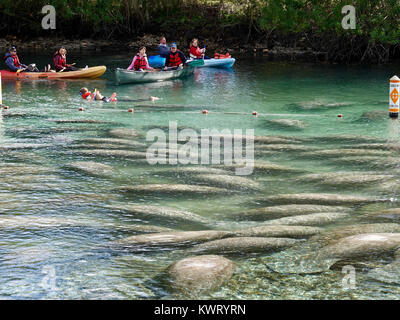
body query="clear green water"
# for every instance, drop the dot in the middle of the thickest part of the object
(85, 268)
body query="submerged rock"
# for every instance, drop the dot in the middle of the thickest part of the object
(158, 212)
(320, 198)
(177, 238)
(200, 273)
(92, 168)
(278, 231)
(244, 245)
(172, 188)
(310, 219)
(287, 210)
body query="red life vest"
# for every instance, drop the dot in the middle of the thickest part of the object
(174, 59)
(17, 64)
(61, 61)
(140, 62)
(85, 95)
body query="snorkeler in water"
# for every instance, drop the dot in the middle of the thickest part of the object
(96, 95)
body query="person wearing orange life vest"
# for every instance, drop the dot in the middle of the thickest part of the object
(140, 62)
(175, 58)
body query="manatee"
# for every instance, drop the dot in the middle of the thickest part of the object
(345, 152)
(158, 212)
(99, 146)
(200, 273)
(287, 210)
(92, 168)
(320, 198)
(278, 231)
(176, 238)
(261, 167)
(389, 273)
(229, 181)
(393, 214)
(28, 256)
(78, 121)
(19, 146)
(375, 146)
(362, 245)
(124, 133)
(172, 189)
(140, 228)
(114, 141)
(256, 139)
(309, 219)
(345, 178)
(288, 123)
(23, 169)
(331, 236)
(198, 170)
(36, 222)
(373, 115)
(244, 245)
(377, 162)
(282, 147)
(111, 153)
(348, 139)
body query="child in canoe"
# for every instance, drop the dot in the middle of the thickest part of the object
(87, 95)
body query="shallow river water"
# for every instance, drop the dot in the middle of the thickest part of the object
(57, 223)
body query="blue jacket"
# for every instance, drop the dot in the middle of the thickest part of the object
(163, 50)
(10, 62)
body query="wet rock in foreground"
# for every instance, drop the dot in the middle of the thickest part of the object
(200, 273)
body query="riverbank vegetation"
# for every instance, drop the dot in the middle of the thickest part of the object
(302, 24)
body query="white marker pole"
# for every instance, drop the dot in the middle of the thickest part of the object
(394, 95)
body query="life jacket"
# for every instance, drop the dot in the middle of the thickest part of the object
(221, 56)
(62, 61)
(195, 52)
(85, 95)
(140, 62)
(17, 64)
(174, 59)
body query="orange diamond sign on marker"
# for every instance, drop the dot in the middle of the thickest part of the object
(394, 95)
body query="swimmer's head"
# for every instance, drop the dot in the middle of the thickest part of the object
(83, 90)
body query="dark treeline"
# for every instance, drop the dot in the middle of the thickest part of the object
(312, 24)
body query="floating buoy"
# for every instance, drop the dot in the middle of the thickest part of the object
(6, 107)
(339, 115)
(255, 113)
(205, 112)
(130, 110)
(81, 109)
(394, 94)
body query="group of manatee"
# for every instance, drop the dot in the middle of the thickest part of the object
(299, 232)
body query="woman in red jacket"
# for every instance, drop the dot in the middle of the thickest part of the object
(195, 51)
(60, 61)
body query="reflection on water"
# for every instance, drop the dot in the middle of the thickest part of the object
(62, 205)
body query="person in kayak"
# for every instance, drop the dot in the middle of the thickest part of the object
(163, 48)
(60, 61)
(175, 58)
(140, 62)
(195, 52)
(97, 96)
(12, 61)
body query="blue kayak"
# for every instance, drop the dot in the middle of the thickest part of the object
(156, 61)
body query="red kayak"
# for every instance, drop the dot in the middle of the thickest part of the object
(89, 73)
